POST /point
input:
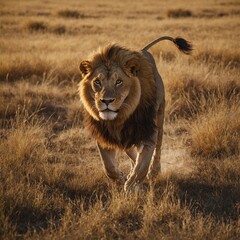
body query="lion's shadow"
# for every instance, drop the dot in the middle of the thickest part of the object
(220, 202)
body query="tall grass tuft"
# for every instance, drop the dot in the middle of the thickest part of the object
(179, 13)
(70, 14)
(36, 26)
(216, 134)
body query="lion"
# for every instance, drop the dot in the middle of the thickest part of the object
(123, 101)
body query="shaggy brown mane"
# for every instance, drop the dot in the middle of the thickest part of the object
(137, 129)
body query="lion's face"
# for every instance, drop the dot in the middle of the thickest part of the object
(110, 92)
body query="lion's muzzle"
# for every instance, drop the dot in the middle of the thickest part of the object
(108, 114)
(107, 111)
(107, 101)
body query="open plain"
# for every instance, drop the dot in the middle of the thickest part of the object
(52, 185)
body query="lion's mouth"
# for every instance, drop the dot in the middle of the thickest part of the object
(108, 114)
(109, 110)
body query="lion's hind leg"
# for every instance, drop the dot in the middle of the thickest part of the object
(155, 166)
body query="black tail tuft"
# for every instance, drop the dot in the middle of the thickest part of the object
(183, 45)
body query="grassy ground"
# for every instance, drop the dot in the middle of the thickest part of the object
(51, 178)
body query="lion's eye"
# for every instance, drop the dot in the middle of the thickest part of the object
(97, 82)
(119, 82)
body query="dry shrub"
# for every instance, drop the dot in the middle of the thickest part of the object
(70, 14)
(212, 13)
(179, 13)
(60, 29)
(36, 26)
(42, 27)
(216, 134)
(205, 13)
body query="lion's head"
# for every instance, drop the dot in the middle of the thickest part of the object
(113, 85)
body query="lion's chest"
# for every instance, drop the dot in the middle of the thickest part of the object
(137, 129)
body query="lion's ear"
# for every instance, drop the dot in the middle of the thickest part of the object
(85, 67)
(133, 66)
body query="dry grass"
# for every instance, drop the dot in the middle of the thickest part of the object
(179, 13)
(69, 14)
(35, 26)
(216, 134)
(52, 182)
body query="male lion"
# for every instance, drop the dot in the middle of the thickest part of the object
(123, 99)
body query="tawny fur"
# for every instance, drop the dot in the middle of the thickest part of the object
(123, 98)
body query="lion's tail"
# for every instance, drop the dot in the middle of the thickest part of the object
(182, 44)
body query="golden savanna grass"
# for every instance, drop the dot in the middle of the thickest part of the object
(52, 184)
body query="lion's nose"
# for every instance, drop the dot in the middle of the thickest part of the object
(107, 100)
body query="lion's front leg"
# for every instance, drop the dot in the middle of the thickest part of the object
(108, 159)
(141, 168)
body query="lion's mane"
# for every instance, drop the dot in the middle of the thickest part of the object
(131, 129)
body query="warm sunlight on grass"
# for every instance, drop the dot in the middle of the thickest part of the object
(52, 184)
(216, 134)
